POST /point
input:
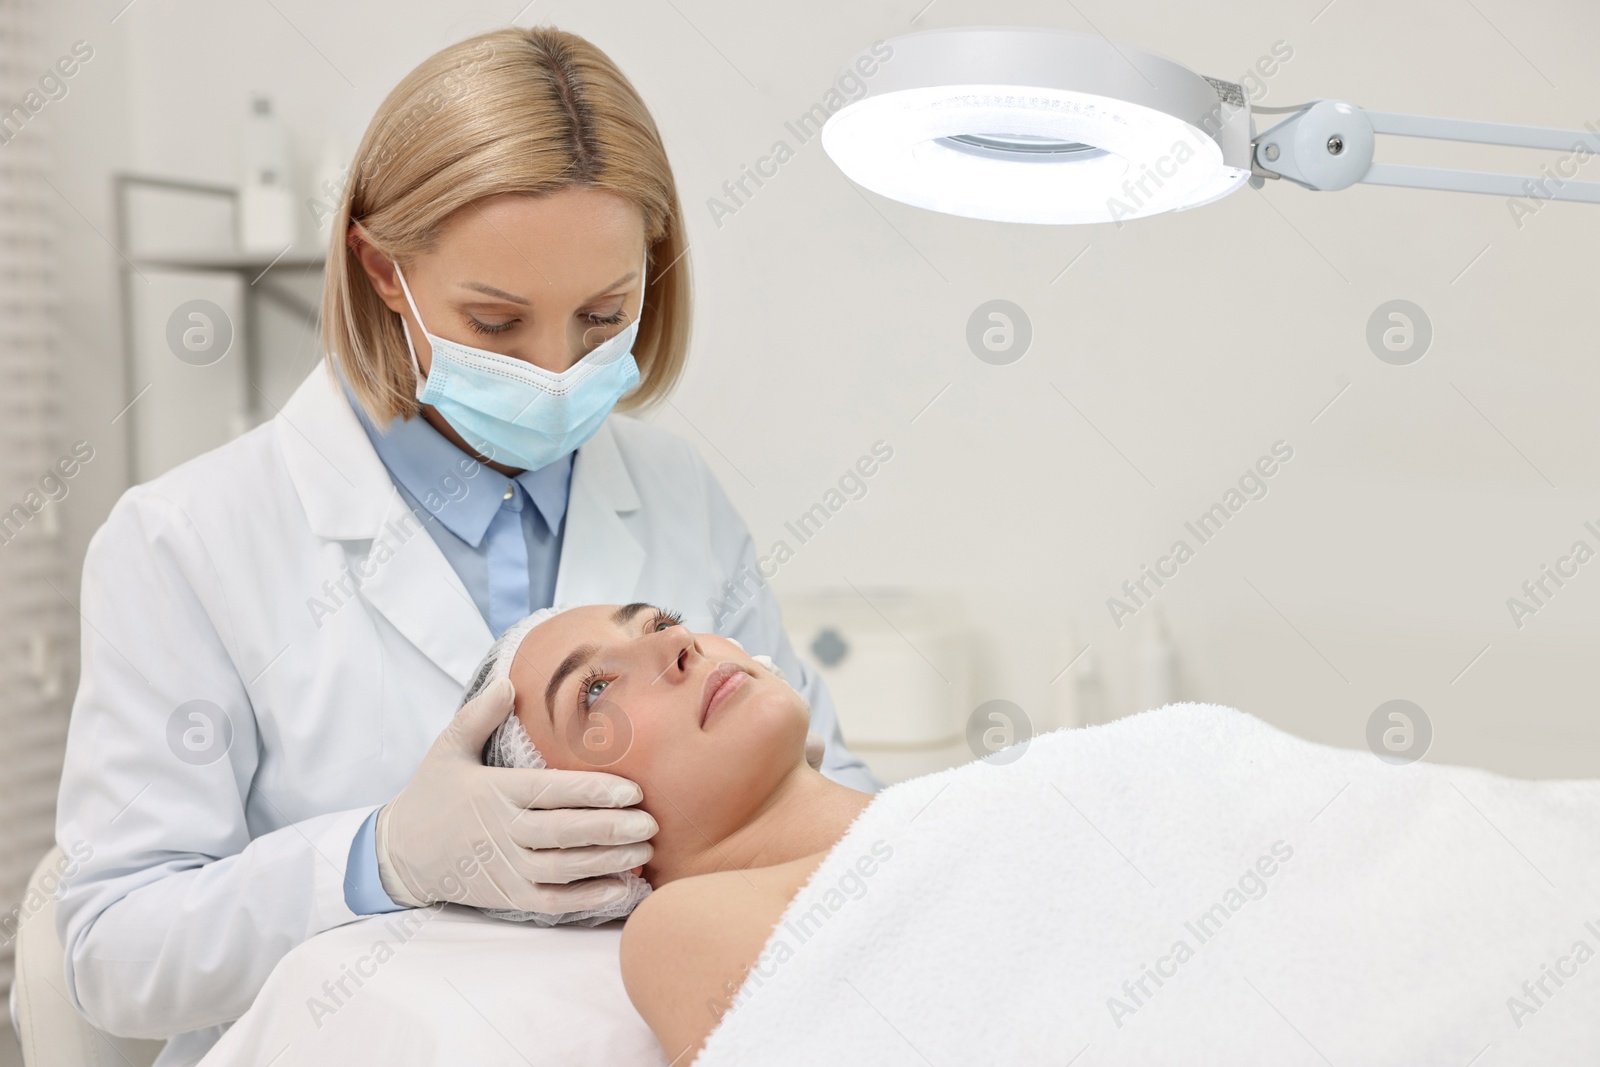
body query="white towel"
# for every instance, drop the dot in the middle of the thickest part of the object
(1191, 886)
(442, 986)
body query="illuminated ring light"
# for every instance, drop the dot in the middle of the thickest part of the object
(1077, 130)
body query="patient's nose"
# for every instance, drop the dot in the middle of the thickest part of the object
(675, 651)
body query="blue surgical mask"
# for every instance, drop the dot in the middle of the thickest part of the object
(515, 413)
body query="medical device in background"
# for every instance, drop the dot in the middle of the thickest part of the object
(266, 206)
(1050, 126)
(903, 668)
(899, 665)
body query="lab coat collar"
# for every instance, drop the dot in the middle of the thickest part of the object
(348, 496)
(341, 482)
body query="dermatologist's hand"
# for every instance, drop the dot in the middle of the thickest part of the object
(497, 837)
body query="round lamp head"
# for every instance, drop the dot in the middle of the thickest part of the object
(1042, 126)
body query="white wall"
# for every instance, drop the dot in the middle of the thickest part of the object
(1380, 563)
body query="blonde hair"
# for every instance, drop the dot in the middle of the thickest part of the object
(514, 111)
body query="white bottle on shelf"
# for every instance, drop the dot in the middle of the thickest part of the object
(327, 184)
(266, 206)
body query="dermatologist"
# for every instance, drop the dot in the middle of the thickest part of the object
(276, 635)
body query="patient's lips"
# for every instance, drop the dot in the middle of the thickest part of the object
(721, 684)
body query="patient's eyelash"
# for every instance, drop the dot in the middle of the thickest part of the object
(594, 677)
(671, 618)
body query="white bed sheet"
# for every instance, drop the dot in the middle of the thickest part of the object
(444, 986)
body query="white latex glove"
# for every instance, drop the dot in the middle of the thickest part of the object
(497, 837)
(815, 746)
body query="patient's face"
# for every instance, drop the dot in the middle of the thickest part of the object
(704, 730)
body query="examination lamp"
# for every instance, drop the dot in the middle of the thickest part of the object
(1050, 126)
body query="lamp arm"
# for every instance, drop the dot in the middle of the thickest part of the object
(1328, 145)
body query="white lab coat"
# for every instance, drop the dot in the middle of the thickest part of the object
(219, 582)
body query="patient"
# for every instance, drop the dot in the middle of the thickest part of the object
(1090, 875)
(717, 743)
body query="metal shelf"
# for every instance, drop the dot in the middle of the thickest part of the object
(239, 262)
(249, 266)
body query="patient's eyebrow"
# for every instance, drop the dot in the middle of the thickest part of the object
(575, 659)
(624, 615)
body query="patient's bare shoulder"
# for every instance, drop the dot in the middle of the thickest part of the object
(686, 949)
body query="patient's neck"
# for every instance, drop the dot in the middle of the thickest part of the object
(805, 814)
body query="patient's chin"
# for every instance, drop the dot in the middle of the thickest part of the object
(772, 726)
(712, 788)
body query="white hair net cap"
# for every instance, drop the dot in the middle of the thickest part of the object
(510, 746)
